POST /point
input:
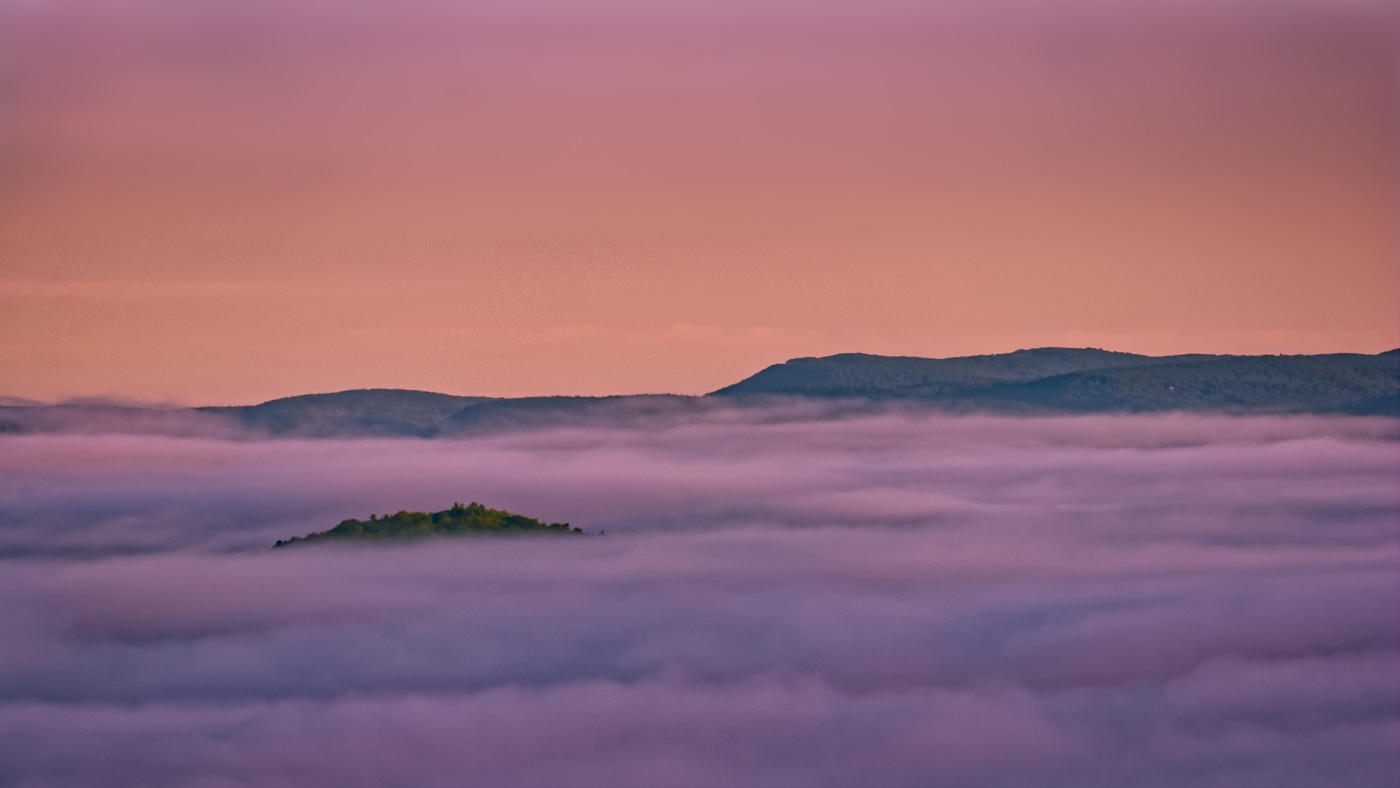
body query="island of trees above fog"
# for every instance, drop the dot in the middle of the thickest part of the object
(1040, 381)
(470, 519)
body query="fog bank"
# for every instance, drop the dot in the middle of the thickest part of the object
(886, 600)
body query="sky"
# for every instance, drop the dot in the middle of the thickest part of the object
(893, 599)
(225, 202)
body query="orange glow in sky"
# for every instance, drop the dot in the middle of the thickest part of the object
(225, 202)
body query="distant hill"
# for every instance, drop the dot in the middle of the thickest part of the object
(459, 520)
(1064, 379)
(361, 412)
(863, 375)
(1043, 380)
(357, 413)
(1281, 384)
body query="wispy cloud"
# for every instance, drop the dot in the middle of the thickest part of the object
(141, 290)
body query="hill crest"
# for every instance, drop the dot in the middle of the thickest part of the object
(1027, 381)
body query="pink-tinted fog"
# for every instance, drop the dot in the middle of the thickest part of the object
(882, 600)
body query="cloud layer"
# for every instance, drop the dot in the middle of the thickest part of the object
(881, 600)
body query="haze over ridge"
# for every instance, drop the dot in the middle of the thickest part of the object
(1025, 382)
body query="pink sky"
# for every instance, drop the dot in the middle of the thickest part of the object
(226, 202)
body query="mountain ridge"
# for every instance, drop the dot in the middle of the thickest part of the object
(1027, 381)
(1076, 380)
(851, 374)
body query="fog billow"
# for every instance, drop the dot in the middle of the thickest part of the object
(878, 600)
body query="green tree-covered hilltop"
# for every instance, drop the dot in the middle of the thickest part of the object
(470, 519)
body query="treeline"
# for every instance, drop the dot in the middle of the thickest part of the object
(470, 519)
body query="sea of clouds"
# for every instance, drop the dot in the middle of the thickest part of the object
(887, 599)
